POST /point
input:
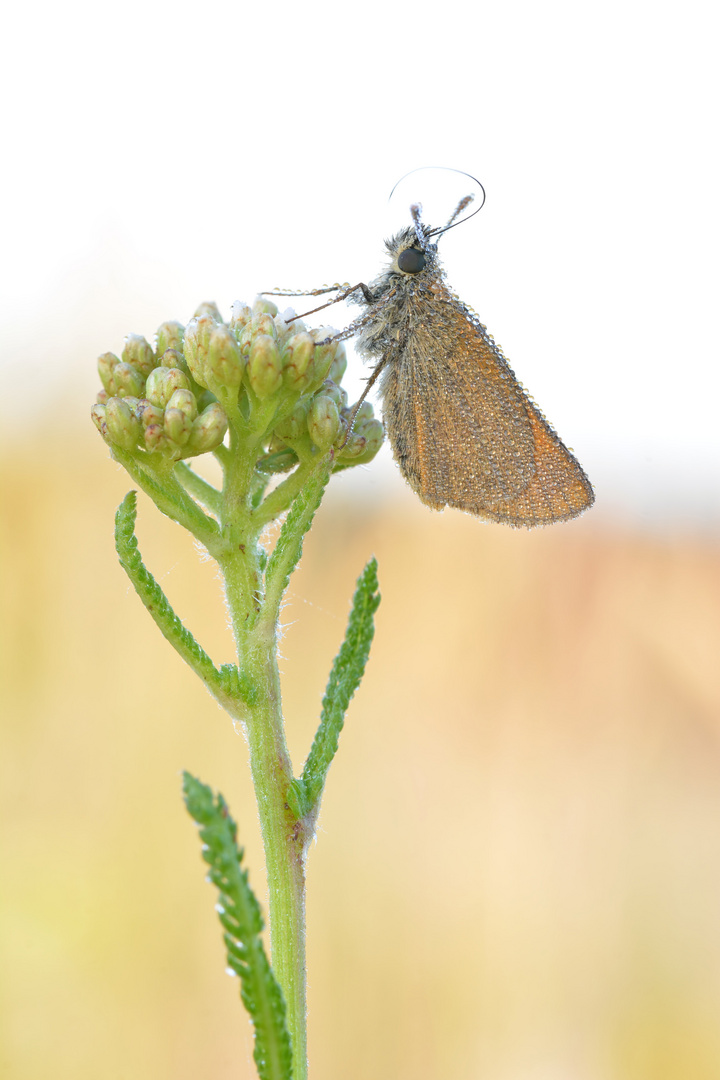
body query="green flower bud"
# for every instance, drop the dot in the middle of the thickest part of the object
(169, 336)
(297, 360)
(259, 324)
(263, 323)
(209, 309)
(285, 327)
(138, 354)
(336, 393)
(241, 315)
(149, 414)
(177, 426)
(106, 366)
(208, 430)
(364, 413)
(173, 358)
(225, 360)
(324, 354)
(339, 364)
(102, 397)
(323, 421)
(369, 433)
(245, 341)
(262, 305)
(127, 380)
(97, 415)
(185, 401)
(353, 448)
(373, 434)
(123, 426)
(366, 437)
(264, 367)
(196, 344)
(162, 384)
(294, 426)
(154, 436)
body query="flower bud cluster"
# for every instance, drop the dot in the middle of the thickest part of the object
(150, 401)
(262, 371)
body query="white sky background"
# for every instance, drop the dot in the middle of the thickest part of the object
(158, 155)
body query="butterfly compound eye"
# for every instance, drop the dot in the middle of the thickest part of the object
(411, 261)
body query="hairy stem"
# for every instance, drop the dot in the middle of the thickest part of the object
(254, 620)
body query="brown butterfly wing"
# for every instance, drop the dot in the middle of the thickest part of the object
(558, 491)
(465, 434)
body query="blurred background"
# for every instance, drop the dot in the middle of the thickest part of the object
(517, 873)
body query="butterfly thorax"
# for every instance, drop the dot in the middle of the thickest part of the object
(401, 302)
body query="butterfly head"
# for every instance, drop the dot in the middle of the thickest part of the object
(412, 250)
(412, 253)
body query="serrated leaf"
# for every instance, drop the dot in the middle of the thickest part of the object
(288, 548)
(347, 671)
(225, 685)
(242, 921)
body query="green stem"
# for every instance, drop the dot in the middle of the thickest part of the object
(282, 496)
(200, 489)
(254, 617)
(283, 836)
(169, 496)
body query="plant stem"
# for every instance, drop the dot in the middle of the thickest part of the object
(254, 601)
(282, 833)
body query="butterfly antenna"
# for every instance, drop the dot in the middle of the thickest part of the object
(462, 205)
(416, 211)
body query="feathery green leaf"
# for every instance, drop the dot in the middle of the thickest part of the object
(226, 685)
(347, 671)
(242, 922)
(288, 549)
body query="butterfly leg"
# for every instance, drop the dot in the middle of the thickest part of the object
(347, 291)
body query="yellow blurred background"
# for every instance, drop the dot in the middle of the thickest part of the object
(517, 871)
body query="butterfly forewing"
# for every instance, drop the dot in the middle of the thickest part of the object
(465, 434)
(456, 423)
(558, 491)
